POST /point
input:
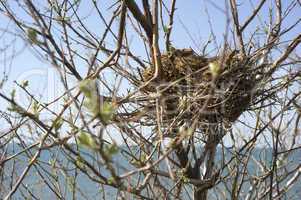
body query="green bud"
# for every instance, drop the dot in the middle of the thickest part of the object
(214, 68)
(32, 36)
(107, 111)
(25, 83)
(85, 139)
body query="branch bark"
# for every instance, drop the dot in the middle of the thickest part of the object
(143, 20)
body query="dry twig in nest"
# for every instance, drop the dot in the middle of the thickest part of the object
(194, 85)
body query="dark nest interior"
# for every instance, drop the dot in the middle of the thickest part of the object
(209, 89)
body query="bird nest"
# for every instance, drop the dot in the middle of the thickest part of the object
(211, 90)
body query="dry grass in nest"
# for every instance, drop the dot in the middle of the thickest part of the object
(190, 87)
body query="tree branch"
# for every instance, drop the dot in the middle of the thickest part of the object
(142, 19)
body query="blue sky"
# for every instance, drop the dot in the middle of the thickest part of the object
(191, 29)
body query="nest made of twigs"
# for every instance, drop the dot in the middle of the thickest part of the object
(190, 88)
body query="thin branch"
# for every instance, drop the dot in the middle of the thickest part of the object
(236, 24)
(255, 11)
(142, 19)
(170, 25)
